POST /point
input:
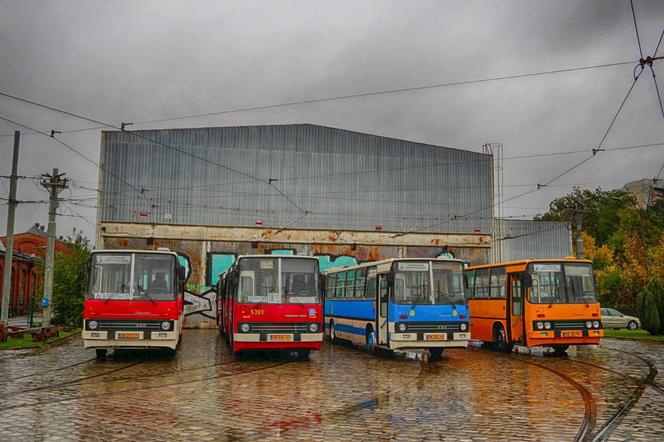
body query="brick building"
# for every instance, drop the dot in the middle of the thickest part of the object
(27, 267)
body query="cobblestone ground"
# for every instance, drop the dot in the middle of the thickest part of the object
(614, 391)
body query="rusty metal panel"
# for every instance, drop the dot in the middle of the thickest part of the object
(292, 236)
(526, 239)
(345, 180)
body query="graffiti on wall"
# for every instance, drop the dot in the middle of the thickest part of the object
(204, 304)
(326, 262)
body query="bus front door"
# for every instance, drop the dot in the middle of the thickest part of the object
(382, 310)
(515, 308)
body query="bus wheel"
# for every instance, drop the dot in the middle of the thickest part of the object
(101, 354)
(560, 349)
(500, 340)
(371, 340)
(303, 354)
(436, 353)
(333, 333)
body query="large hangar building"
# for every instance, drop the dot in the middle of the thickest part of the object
(211, 194)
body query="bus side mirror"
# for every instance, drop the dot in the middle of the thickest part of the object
(182, 274)
(390, 280)
(527, 280)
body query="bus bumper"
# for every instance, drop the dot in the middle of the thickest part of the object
(546, 338)
(409, 340)
(99, 339)
(253, 341)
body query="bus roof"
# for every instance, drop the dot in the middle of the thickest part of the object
(277, 256)
(151, 252)
(387, 261)
(526, 262)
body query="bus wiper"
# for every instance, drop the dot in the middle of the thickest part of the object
(262, 300)
(145, 292)
(122, 287)
(292, 295)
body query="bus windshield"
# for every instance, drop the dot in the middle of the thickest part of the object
(428, 283)
(278, 281)
(561, 283)
(132, 277)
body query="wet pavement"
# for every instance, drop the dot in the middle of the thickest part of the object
(610, 392)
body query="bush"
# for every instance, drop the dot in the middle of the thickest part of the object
(69, 282)
(650, 307)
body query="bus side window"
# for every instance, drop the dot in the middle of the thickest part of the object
(371, 288)
(497, 287)
(341, 285)
(481, 283)
(360, 281)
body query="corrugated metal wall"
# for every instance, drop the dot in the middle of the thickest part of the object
(523, 239)
(345, 180)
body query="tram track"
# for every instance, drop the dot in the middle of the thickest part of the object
(151, 387)
(65, 367)
(590, 407)
(70, 382)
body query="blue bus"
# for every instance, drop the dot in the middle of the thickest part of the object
(398, 303)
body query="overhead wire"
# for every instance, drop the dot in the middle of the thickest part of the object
(145, 138)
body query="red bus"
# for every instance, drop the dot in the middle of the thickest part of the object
(135, 299)
(271, 302)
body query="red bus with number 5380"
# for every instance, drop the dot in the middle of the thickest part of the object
(271, 302)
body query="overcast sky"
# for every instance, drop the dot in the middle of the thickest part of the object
(141, 60)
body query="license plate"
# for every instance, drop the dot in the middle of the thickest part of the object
(128, 335)
(571, 334)
(280, 338)
(436, 337)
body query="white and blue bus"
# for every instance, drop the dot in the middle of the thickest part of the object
(398, 303)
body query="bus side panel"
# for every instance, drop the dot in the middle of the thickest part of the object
(350, 318)
(484, 313)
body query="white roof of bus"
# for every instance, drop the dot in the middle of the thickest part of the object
(389, 260)
(161, 252)
(277, 256)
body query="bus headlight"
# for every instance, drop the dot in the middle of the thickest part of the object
(589, 324)
(92, 325)
(244, 327)
(596, 324)
(402, 327)
(539, 325)
(463, 326)
(313, 328)
(547, 325)
(165, 325)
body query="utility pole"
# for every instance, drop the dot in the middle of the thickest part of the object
(54, 184)
(9, 253)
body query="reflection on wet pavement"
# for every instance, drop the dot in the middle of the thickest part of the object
(204, 393)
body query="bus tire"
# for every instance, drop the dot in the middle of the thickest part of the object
(500, 339)
(303, 354)
(560, 349)
(435, 353)
(101, 354)
(333, 333)
(370, 337)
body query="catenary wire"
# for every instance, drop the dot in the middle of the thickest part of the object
(102, 125)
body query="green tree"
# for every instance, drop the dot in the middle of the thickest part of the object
(600, 210)
(69, 281)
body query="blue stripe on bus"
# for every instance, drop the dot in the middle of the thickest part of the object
(360, 309)
(349, 329)
(428, 313)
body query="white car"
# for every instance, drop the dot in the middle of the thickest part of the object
(612, 318)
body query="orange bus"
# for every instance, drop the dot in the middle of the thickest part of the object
(534, 303)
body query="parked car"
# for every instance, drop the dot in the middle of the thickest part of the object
(612, 318)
